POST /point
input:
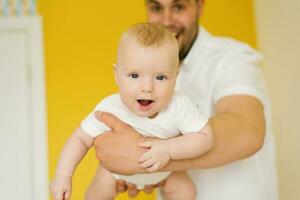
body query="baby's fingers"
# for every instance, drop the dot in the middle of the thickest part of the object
(67, 195)
(58, 195)
(147, 163)
(154, 168)
(145, 156)
(146, 144)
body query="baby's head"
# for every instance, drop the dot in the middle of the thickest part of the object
(147, 67)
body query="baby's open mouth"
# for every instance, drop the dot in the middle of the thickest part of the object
(144, 102)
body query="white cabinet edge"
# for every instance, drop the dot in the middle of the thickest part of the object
(33, 27)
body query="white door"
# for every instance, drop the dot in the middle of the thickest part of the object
(23, 162)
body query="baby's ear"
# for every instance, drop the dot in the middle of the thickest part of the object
(115, 74)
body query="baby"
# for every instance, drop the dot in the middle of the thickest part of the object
(146, 72)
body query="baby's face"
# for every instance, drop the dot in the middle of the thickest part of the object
(146, 77)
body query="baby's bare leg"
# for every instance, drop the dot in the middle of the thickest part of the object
(179, 186)
(103, 186)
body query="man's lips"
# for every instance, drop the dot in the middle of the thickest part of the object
(176, 32)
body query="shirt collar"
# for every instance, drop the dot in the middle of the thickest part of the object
(198, 43)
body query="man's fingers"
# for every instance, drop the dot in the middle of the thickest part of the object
(132, 190)
(110, 120)
(149, 189)
(162, 183)
(121, 186)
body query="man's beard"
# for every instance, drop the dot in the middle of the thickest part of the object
(185, 49)
(183, 53)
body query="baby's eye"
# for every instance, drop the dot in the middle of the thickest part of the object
(161, 77)
(133, 75)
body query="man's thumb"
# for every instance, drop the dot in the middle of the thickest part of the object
(109, 120)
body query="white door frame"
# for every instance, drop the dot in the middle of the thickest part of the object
(32, 27)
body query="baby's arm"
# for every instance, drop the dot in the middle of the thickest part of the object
(186, 146)
(73, 152)
(192, 144)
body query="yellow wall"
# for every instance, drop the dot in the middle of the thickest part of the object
(80, 44)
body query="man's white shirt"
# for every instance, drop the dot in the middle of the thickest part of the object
(215, 68)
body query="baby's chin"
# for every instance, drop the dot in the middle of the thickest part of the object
(147, 115)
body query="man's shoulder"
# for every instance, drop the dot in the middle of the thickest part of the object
(220, 45)
(219, 52)
(229, 46)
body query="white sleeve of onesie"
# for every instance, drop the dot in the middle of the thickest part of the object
(187, 117)
(92, 126)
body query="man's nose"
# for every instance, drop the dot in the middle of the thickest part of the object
(167, 18)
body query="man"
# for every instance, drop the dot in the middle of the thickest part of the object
(222, 78)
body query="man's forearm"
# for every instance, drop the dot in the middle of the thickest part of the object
(234, 140)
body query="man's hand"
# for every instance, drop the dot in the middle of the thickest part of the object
(118, 150)
(133, 191)
(157, 155)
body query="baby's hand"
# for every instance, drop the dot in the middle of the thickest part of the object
(61, 187)
(156, 157)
